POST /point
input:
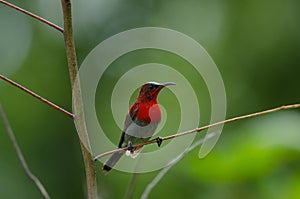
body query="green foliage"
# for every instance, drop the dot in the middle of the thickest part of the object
(256, 46)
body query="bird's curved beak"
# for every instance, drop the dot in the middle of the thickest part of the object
(167, 84)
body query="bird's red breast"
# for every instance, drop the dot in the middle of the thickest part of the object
(146, 112)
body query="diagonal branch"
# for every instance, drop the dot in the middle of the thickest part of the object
(21, 157)
(172, 163)
(36, 96)
(33, 15)
(293, 106)
(132, 186)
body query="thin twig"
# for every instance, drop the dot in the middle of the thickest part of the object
(293, 106)
(33, 15)
(172, 163)
(132, 186)
(36, 96)
(21, 157)
(133, 182)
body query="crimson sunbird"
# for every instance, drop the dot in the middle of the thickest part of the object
(140, 123)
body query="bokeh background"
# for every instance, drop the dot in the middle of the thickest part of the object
(256, 46)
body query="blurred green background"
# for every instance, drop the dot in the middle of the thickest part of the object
(256, 46)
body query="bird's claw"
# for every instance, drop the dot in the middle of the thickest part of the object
(159, 141)
(130, 147)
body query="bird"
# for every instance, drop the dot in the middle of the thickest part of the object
(140, 123)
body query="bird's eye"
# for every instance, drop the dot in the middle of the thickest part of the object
(151, 86)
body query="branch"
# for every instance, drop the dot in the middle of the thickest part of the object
(172, 163)
(293, 106)
(90, 166)
(33, 15)
(69, 41)
(21, 157)
(132, 186)
(37, 96)
(77, 98)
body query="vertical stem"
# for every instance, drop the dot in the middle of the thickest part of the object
(89, 163)
(69, 40)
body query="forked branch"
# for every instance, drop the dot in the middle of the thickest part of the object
(90, 166)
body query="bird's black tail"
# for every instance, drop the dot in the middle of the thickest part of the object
(111, 162)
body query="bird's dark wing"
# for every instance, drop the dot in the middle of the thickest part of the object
(130, 117)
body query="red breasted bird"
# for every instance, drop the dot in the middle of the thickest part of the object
(140, 122)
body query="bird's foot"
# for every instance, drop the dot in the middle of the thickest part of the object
(158, 141)
(130, 147)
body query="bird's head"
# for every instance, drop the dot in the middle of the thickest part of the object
(150, 90)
